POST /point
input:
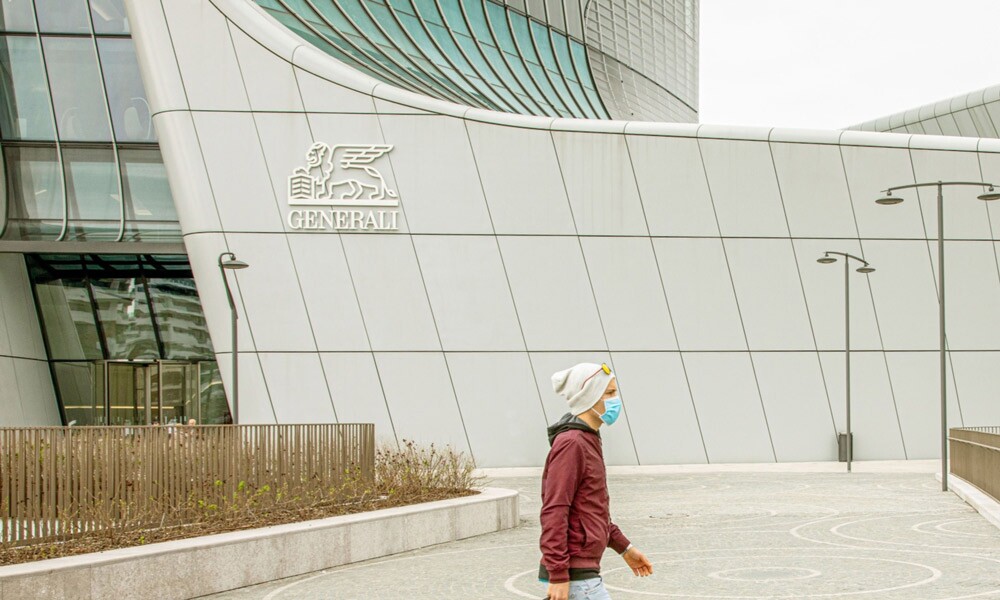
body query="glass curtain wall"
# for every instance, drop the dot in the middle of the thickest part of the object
(124, 331)
(80, 158)
(473, 52)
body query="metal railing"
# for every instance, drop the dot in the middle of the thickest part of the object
(975, 457)
(60, 482)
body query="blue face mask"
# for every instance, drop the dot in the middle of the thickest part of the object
(612, 408)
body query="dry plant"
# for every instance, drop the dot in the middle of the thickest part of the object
(402, 475)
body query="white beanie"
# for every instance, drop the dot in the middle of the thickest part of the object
(582, 385)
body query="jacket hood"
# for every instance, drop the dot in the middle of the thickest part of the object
(566, 423)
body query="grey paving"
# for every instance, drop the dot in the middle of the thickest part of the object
(716, 535)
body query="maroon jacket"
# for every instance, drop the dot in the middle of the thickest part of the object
(576, 514)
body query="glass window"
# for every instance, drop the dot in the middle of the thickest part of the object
(25, 112)
(34, 193)
(214, 407)
(16, 15)
(109, 16)
(68, 318)
(125, 318)
(81, 391)
(93, 200)
(179, 319)
(130, 113)
(63, 16)
(149, 206)
(77, 91)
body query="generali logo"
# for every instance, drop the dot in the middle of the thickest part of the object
(345, 180)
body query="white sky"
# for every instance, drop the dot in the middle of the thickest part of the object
(833, 63)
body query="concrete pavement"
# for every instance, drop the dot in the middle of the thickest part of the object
(716, 532)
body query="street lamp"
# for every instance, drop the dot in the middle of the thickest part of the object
(889, 199)
(830, 257)
(231, 264)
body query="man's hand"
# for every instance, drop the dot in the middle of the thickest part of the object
(558, 591)
(638, 562)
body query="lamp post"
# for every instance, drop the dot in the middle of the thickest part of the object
(231, 264)
(829, 257)
(889, 199)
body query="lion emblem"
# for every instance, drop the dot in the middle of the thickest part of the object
(341, 174)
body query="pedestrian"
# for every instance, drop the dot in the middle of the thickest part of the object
(576, 514)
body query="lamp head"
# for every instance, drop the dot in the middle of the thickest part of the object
(826, 260)
(889, 199)
(233, 264)
(866, 269)
(988, 195)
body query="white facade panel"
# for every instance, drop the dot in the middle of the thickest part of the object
(744, 188)
(973, 284)
(500, 406)
(733, 423)
(269, 79)
(919, 404)
(199, 31)
(203, 255)
(904, 292)
(356, 389)
(520, 176)
(328, 292)
(814, 190)
(320, 95)
(874, 420)
(20, 333)
(764, 270)
(600, 183)
(243, 195)
(552, 293)
(653, 387)
(11, 413)
(700, 292)
(438, 184)
(187, 172)
(617, 440)
(965, 217)
(630, 296)
(871, 170)
(798, 410)
(255, 404)
(272, 299)
(673, 186)
(977, 378)
(420, 398)
(38, 399)
(391, 292)
(468, 291)
(297, 387)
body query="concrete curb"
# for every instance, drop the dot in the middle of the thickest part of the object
(194, 567)
(974, 497)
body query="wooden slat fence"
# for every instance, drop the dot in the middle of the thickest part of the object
(61, 482)
(975, 457)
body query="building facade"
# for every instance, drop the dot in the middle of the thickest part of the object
(440, 209)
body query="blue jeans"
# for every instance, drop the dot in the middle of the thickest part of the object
(588, 589)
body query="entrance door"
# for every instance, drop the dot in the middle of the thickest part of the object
(144, 393)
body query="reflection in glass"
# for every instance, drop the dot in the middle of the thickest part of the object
(16, 15)
(125, 319)
(25, 113)
(214, 407)
(81, 391)
(93, 200)
(149, 207)
(109, 16)
(63, 16)
(77, 91)
(68, 320)
(34, 193)
(130, 114)
(180, 319)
